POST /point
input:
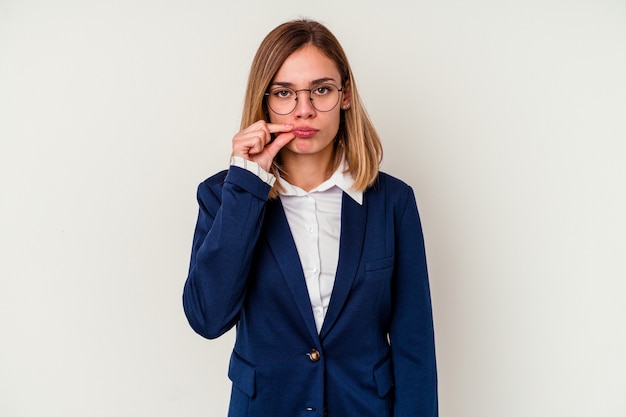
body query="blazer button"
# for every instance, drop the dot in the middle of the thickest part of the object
(314, 355)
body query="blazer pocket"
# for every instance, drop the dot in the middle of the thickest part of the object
(383, 375)
(379, 268)
(242, 374)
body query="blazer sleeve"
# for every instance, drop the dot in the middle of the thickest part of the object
(231, 211)
(411, 332)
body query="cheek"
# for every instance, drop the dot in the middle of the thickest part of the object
(272, 117)
(336, 120)
(277, 119)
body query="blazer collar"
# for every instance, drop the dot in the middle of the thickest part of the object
(284, 249)
(353, 222)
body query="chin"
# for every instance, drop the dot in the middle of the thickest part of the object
(307, 146)
(301, 146)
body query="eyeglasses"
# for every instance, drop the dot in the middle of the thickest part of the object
(283, 100)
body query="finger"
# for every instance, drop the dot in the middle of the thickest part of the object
(276, 128)
(256, 129)
(278, 143)
(260, 128)
(249, 144)
(258, 125)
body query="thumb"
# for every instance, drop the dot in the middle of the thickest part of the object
(278, 143)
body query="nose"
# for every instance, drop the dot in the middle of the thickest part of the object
(304, 107)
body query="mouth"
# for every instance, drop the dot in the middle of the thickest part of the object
(304, 132)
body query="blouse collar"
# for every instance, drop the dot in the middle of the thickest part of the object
(341, 178)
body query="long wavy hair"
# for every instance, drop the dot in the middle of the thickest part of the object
(357, 141)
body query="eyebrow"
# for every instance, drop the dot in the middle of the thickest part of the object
(291, 85)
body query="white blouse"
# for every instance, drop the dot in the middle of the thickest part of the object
(314, 218)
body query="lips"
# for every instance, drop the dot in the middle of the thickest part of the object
(304, 132)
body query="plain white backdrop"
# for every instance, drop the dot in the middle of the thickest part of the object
(507, 118)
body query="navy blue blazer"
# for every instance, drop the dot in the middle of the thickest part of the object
(375, 354)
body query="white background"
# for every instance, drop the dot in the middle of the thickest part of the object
(507, 117)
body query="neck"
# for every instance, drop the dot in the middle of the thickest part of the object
(305, 171)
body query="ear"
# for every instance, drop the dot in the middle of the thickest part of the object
(346, 96)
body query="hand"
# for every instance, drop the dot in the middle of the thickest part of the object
(253, 143)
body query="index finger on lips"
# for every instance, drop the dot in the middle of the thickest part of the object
(279, 127)
(255, 127)
(259, 131)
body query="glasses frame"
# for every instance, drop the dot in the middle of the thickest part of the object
(310, 90)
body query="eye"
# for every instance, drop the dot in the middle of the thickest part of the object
(282, 93)
(321, 90)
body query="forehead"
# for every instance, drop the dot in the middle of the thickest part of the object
(305, 65)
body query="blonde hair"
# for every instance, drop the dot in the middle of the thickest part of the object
(357, 141)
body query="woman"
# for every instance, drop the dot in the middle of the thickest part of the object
(314, 255)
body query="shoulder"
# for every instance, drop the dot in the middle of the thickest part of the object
(391, 195)
(214, 182)
(235, 175)
(237, 179)
(393, 182)
(390, 187)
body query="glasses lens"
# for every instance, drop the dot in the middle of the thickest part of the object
(324, 97)
(282, 100)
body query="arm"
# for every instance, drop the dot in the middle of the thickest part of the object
(412, 334)
(228, 227)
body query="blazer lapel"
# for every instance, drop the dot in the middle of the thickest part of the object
(353, 222)
(283, 247)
